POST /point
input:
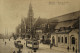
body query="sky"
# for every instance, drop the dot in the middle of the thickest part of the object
(11, 11)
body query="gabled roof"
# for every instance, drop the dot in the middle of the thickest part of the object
(69, 16)
(66, 23)
(39, 22)
(65, 27)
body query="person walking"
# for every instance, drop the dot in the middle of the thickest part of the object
(76, 50)
(14, 52)
(5, 43)
(68, 48)
(9, 39)
(50, 46)
(24, 43)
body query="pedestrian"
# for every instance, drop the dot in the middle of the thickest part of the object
(50, 45)
(24, 43)
(76, 50)
(73, 49)
(5, 43)
(14, 52)
(68, 48)
(19, 50)
(9, 39)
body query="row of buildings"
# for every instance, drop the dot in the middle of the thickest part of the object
(63, 31)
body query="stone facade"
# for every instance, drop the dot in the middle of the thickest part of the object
(66, 35)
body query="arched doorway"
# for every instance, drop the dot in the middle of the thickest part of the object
(53, 40)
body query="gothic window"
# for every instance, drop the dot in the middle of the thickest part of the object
(73, 40)
(65, 39)
(62, 39)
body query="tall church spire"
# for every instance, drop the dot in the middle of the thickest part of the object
(30, 18)
(30, 12)
(30, 15)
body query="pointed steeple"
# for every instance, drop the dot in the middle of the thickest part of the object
(30, 18)
(30, 15)
(30, 12)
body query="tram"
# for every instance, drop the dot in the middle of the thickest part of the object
(33, 44)
(18, 44)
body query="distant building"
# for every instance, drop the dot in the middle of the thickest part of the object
(18, 30)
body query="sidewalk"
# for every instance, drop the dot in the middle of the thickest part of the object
(62, 49)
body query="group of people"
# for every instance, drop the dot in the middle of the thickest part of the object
(51, 45)
(72, 48)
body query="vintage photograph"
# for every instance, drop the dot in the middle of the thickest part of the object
(39, 26)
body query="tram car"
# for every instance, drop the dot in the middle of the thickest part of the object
(32, 44)
(18, 44)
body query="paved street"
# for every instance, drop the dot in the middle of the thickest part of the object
(9, 48)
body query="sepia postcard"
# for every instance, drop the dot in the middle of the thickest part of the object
(39, 26)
